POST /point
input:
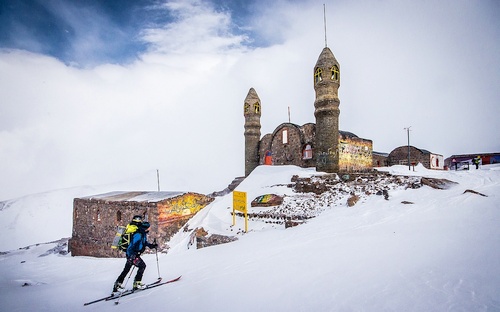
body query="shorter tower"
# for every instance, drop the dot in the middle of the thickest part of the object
(252, 113)
(326, 86)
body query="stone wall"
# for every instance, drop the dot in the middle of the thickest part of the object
(379, 159)
(288, 142)
(175, 212)
(399, 156)
(286, 145)
(355, 153)
(95, 223)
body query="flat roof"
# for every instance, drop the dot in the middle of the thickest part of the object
(138, 196)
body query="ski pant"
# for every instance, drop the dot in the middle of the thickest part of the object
(139, 263)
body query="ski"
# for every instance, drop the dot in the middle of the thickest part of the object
(148, 286)
(115, 295)
(100, 299)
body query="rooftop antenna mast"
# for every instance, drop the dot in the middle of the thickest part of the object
(324, 20)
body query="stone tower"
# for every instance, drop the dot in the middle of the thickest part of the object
(326, 111)
(251, 111)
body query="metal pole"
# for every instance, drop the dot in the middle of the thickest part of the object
(408, 132)
(158, 178)
(157, 263)
(324, 20)
(121, 293)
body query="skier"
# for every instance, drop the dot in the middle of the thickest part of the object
(136, 247)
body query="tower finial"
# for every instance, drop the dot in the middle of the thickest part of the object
(324, 19)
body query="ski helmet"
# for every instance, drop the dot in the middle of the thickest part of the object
(137, 219)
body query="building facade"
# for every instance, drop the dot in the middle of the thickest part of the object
(380, 159)
(399, 156)
(321, 144)
(454, 161)
(96, 218)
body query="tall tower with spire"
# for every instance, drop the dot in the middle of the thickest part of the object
(326, 111)
(252, 113)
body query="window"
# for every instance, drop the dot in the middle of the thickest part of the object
(98, 215)
(307, 152)
(285, 136)
(246, 108)
(317, 75)
(335, 73)
(256, 107)
(118, 216)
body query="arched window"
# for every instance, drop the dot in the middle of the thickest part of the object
(246, 108)
(307, 153)
(256, 107)
(317, 75)
(285, 136)
(335, 73)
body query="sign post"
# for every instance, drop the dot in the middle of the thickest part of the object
(240, 204)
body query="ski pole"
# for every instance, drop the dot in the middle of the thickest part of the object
(157, 263)
(126, 282)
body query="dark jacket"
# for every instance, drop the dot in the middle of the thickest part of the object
(138, 244)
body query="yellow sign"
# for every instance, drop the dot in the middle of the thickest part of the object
(240, 204)
(240, 201)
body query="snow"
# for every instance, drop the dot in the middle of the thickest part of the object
(441, 253)
(144, 196)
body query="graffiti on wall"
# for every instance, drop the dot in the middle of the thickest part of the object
(267, 200)
(181, 207)
(355, 155)
(326, 157)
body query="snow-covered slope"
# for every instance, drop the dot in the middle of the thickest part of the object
(440, 253)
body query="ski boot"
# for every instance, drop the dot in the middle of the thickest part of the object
(117, 287)
(139, 285)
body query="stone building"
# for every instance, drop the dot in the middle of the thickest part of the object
(399, 156)
(96, 218)
(380, 159)
(326, 111)
(455, 161)
(321, 145)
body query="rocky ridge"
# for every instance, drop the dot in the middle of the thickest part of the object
(314, 195)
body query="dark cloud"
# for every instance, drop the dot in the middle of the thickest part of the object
(84, 33)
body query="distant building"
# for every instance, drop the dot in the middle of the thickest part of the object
(486, 159)
(321, 145)
(380, 159)
(399, 156)
(96, 218)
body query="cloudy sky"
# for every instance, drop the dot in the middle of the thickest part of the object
(94, 92)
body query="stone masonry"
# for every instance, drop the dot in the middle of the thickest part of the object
(96, 218)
